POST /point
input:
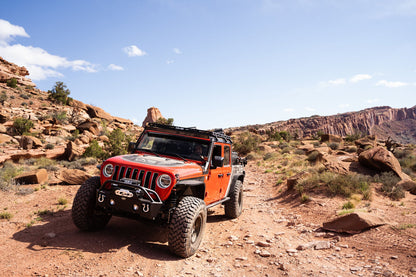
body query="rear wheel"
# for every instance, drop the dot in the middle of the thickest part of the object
(234, 206)
(84, 213)
(187, 226)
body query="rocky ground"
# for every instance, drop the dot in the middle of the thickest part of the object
(266, 240)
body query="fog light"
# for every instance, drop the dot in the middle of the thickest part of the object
(135, 207)
(112, 202)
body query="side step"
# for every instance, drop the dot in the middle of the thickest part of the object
(218, 202)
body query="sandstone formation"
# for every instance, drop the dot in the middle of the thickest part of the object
(153, 114)
(353, 223)
(35, 177)
(399, 124)
(72, 176)
(9, 70)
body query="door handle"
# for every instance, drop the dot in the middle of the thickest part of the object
(220, 175)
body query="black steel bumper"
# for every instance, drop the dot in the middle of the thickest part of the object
(130, 198)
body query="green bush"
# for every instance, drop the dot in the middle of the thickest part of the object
(299, 152)
(389, 187)
(246, 143)
(24, 96)
(164, 121)
(333, 145)
(60, 94)
(12, 83)
(348, 206)
(94, 150)
(117, 144)
(7, 173)
(356, 135)
(22, 125)
(59, 116)
(351, 149)
(285, 150)
(313, 156)
(49, 146)
(6, 215)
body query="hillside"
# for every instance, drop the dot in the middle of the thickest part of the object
(384, 122)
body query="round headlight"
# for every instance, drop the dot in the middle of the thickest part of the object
(164, 181)
(108, 170)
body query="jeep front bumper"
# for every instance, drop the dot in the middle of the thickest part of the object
(126, 197)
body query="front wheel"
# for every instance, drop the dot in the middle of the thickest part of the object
(234, 206)
(84, 213)
(187, 226)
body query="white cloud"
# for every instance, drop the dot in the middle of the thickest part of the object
(8, 31)
(115, 67)
(390, 84)
(288, 110)
(336, 82)
(133, 51)
(177, 51)
(170, 61)
(360, 77)
(309, 109)
(38, 61)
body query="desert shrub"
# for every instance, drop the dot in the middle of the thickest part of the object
(49, 146)
(299, 152)
(94, 150)
(3, 97)
(73, 165)
(60, 94)
(62, 201)
(333, 145)
(273, 136)
(316, 144)
(402, 153)
(304, 198)
(165, 121)
(6, 215)
(408, 162)
(348, 206)
(12, 83)
(283, 145)
(7, 173)
(24, 96)
(269, 156)
(389, 186)
(246, 143)
(337, 184)
(59, 116)
(285, 135)
(22, 125)
(313, 156)
(23, 104)
(356, 135)
(351, 149)
(285, 150)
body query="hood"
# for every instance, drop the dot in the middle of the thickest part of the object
(180, 168)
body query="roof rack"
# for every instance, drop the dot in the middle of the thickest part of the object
(217, 134)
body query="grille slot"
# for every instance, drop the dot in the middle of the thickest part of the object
(115, 172)
(147, 179)
(121, 175)
(128, 172)
(134, 176)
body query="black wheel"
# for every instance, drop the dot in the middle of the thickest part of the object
(84, 214)
(187, 226)
(234, 206)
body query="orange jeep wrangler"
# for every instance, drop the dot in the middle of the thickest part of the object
(172, 176)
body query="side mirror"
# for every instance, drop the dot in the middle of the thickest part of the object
(218, 161)
(131, 147)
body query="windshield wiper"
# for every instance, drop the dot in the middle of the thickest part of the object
(177, 155)
(148, 150)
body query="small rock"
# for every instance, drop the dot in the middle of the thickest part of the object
(241, 259)
(233, 238)
(265, 254)
(413, 269)
(394, 257)
(356, 268)
(50, 235)
(291, 251)
(263, 244)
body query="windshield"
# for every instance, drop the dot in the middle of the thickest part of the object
(176, 146)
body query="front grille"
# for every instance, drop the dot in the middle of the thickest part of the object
(146, 178)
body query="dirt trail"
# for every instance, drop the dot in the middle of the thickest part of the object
(262, 242)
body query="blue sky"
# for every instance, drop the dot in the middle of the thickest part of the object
(218, 63)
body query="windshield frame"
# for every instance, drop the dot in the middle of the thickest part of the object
(184, 146)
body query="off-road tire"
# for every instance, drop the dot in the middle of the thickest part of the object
(187, 226)
(84, 213)
(234, 206)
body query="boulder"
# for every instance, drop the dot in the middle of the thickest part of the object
(72, 176)
(337, 164)
(3, 129)
(29, 142)
(34, 177)
(381, 159)
(98, 113)
(330, 138)
(90, 126)
(78, 104)
(3, 117)
(353, 223)
(153, 114)
(408, 185)
(6, 138)
(72, 151)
